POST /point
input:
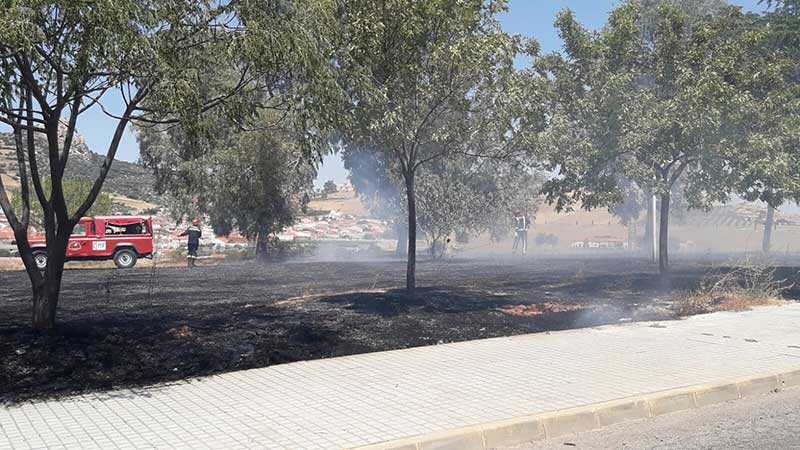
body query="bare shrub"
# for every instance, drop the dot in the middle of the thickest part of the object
(740, 287)
(691, 303)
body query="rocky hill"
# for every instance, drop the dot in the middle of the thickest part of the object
(126, 179)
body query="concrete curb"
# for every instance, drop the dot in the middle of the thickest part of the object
(550, 425)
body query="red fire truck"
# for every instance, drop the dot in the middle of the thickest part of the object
(123, 239)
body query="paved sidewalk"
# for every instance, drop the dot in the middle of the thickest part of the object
(358, 400)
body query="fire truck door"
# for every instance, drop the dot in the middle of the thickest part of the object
(80, 242)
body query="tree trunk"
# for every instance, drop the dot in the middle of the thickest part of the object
(402, 240)
(769, 224)
(45, 295)
(262, 247)
(437, 248)
(411, 283)
(47, 290)
(44, 307)
(663, 238)
(648, 227)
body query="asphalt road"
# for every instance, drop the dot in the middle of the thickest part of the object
(759, 423)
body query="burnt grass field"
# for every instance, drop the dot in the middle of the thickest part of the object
(126, 328)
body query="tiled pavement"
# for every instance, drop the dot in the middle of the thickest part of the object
(353, 401)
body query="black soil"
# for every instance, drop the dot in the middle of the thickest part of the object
(119, 328)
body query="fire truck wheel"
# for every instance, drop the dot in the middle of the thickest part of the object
(40, 258)
(125, 258)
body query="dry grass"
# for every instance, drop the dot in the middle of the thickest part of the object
(747, 285)
(9, 182)
(345, 202)
(738, 303)
(8, 263)
(540, 309)
(139, 205)
(692, 303)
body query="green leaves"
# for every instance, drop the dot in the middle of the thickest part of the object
(785, 19)
(257, 186)
(471, 196)
(652, 105)
(253, 182)
(422, 75)
(75, 191)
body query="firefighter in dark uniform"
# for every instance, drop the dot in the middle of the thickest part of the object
(194, 234)
(521, 226)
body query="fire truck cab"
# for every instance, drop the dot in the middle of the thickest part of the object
(123, 239)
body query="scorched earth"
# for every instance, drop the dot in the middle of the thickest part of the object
(122, 328)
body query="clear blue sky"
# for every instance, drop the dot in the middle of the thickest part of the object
(533, 18)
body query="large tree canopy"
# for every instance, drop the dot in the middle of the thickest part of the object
(653, 110)
(635, 199)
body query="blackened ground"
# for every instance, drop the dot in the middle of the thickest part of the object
(121, 328)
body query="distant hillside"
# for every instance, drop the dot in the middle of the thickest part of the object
(125, 179)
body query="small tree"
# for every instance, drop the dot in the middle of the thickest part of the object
(57, 60)
(635, 199)
(428, 78)
(255, 182)
(259, 188)
(447, 202)
(329, 187)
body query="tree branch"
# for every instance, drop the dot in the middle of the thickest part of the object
(73, 120)
(8, 209)
(30, 80)
(34, 164)
(430, 158)
(93, 101)
(17, 114)
(679, 171)
(23, 174)
(23, 126)
(112, 152)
